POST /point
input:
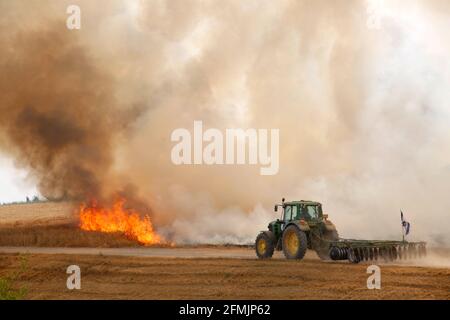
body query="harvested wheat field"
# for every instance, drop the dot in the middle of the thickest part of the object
(35, 250)
(37, 213)
(51, 224)
(60, 235)
(105, 277)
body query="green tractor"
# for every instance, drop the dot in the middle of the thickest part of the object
(303, 225)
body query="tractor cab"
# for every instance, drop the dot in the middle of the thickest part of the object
(308, 211)
(303, 213)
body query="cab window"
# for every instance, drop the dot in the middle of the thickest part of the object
(312, 212)
(288, 213)
(295, 215)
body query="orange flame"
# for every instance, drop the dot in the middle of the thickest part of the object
(118, 219)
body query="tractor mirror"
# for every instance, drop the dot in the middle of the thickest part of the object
(275, 208)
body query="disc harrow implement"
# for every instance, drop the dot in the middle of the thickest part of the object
(377, 250)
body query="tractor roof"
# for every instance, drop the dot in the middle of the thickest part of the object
(303, 202)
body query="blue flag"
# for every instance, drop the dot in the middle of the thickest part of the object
(406, 225)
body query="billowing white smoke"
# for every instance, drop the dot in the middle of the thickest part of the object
(362, 108)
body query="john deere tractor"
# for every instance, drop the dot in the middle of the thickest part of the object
(303, 225)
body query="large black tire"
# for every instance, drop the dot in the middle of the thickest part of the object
(265, 245)
(322, 249)
(295, 243)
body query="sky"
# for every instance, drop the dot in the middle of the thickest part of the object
(15, 184)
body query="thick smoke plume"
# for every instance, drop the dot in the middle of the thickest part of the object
(57, 112)
(362, 108)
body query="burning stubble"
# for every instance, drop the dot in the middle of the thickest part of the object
(362, 112)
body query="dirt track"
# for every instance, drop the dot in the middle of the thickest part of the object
(163, 277)
(235, 253)
(435, 258)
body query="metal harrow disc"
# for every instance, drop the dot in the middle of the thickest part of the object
(367, 253)
(352, 255)
(364, 254)
(416, 251)
(388, 254)
(411, 251)
(385, 254)
(394, 253)
(338, 253)
(422, 250)
(391, 254)
(405, 252)
(359, 255)
(371, 253)
(401, 253)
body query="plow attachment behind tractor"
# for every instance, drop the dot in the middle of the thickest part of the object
(364, 250)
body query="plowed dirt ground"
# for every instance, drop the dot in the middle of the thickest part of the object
(118, 277)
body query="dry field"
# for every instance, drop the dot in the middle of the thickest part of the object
(104, 277)
(136, 272)
(59, 235)
(37, 213)
(48, 224)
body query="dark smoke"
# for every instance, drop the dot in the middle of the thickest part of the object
(363, 113)
(58, 112)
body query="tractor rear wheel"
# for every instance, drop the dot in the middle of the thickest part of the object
(265, 245)
(295, 243)
(323, 248)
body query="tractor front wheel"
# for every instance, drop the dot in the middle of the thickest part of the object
(265, 245)
(295, 243)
